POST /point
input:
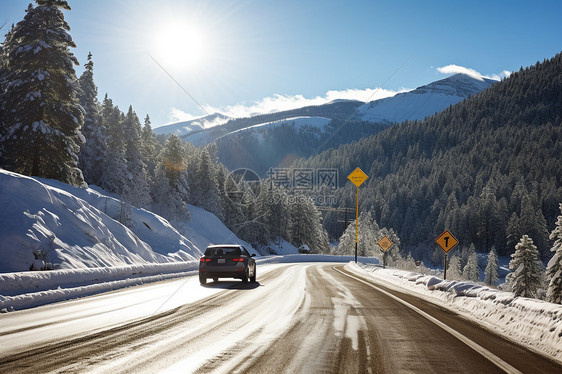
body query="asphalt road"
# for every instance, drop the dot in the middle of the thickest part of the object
(298, 318)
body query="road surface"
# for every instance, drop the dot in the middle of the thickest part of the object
(298, 318)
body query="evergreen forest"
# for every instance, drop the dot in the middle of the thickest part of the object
(487, 169)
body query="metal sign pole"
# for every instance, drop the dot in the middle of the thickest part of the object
(445, 268)
(356, 224)
(357, 177)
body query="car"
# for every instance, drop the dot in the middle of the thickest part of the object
(227, 261)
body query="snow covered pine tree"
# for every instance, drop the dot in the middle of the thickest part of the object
(93, 150)
(527, 270)
(43, 116)
(554, 269)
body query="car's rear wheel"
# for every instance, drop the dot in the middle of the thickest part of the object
(253, 277)
(202, 279)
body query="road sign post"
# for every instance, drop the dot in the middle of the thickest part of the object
(446, 241)
(384, 243)
(357, 177)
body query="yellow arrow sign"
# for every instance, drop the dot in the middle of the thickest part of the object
(385, 243)
(357, 177)
(446, 241)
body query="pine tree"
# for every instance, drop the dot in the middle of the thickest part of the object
(3, 81)
(471, 271)
(137, 189)
(531, 221)
(233, 211)
(171, 190)
(554, 268)
(527, 272)
(491, 271)
(115, 174)
(305, 224)
(513, 232)
(454, 268)
(93, 150)
(43, 115)
(151, 150)
(368, 232)
(273, 212)
(204, 187)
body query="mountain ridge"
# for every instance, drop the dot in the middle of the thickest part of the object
(423, 101)
(447, 91)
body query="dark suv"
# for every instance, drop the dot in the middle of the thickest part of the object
(227, 261)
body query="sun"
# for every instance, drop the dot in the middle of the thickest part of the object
(180, 46)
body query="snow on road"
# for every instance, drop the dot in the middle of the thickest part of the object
(87, 315)
(533, 323)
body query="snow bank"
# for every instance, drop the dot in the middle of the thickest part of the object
(78, 228)
(31, 289)
(533, 323)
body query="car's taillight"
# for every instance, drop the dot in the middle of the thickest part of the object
(238, 259)
(203, 259)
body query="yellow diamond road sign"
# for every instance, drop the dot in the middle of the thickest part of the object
(446, 241)
(385, 243)
(357, 177)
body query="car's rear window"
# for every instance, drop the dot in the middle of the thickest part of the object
(220, 251)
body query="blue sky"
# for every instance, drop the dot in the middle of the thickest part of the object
(249, 56)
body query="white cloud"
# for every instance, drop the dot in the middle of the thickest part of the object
(500, 76)
(178, 115)
(277, 103)
(455, 69)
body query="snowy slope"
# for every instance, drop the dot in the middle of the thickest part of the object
(423, 101)
(297, 123)
(77, 228)
(186, 127)
(205, 137)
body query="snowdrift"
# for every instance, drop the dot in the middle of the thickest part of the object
(78, 228)
(531, 322)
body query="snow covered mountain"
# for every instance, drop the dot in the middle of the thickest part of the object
(192, 126)
(70, 228)
(339, 109)
(423, 101)
(277, 139)
(412, 105)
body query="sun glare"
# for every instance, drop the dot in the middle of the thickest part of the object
(180, 46)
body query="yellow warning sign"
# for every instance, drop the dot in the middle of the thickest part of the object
(385, 243)
(446, 241)
(357, 177)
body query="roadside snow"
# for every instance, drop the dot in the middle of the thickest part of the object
(25, 290)
(76, 228)
(533, 323)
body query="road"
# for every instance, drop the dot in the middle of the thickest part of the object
(298, 318)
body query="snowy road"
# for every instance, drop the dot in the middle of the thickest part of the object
(299, 318)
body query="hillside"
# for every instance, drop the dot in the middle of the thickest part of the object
(70, 228)
(488, 169)
(423, 101)
(333, 110)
